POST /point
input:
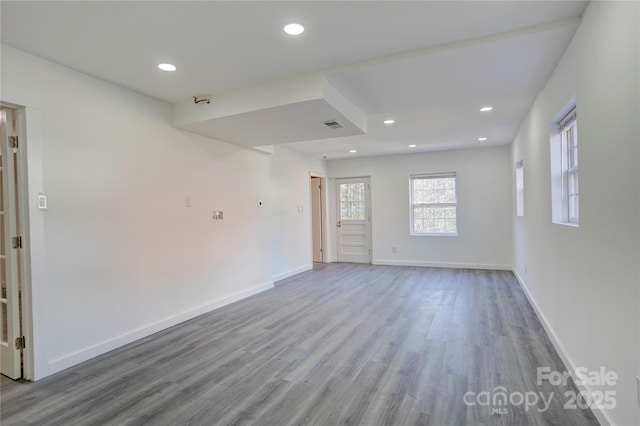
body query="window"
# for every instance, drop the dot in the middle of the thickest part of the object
(569, 134)
(564, 167)
(352, 201)
(433, 204)
(520, 188)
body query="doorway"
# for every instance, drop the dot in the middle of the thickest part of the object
(11, 244)
(318, 219)
(354, 219)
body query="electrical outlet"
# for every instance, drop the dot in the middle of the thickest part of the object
(394, 249)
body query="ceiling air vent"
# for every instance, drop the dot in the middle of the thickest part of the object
(333, 124)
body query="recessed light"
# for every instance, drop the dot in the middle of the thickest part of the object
(482, 139)
(486, 109)
(353, 151)
(412, 146)
(389, 121)
(167, 67)
(293, 29)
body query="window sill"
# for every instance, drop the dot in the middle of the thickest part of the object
(424, 234)
(569, 224)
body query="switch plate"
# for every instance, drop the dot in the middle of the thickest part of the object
(42, 202)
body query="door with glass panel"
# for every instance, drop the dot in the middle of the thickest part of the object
(10, 364)
(353, 220)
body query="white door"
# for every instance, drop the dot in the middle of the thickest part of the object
(316, 218)
(353, 220)
(9, 302)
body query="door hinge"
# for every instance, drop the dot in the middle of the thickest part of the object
(13, 141)
(21, 343)
(16, 242)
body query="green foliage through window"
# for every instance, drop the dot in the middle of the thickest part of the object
(433, 204)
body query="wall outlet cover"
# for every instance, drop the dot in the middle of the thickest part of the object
(217, 216)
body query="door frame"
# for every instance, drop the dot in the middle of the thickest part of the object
(11, 355)
(368, 213)
(29, 172)
(324, 215)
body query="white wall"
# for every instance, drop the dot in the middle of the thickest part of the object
(584, 280)
(123, 256)
(291, 240)
(484, 207)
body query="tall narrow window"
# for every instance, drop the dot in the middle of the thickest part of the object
(520, 188)
(569, 133)
(434, 204)
(565, 195)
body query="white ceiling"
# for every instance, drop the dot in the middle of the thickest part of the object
(430, 65)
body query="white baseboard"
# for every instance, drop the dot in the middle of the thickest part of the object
(454, 265)
(291, 273)
(116, 342)
(602, 416)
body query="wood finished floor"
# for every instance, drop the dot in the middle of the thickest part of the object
(341, 344)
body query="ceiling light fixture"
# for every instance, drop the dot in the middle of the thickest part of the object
(353, 151)
(293, 29)
(486, 109)
(482, 139)
(389, 121)
(167, 67)
(412, 146)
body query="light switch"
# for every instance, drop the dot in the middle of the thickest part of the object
(42, 202)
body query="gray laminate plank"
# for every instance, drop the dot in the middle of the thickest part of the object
(341, 344)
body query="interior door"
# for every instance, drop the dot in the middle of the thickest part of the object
(316, 218)
(353, 220)
(9, 302)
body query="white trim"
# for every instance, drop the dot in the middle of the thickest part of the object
(454, 265)
(433, 234)
(324, 213)
(291, 272)
(33, 265)
(602, 415)
(116, 342)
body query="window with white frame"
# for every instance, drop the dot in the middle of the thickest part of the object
(434, 204)
(569, 134)
(520, 188)
(563, 145)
